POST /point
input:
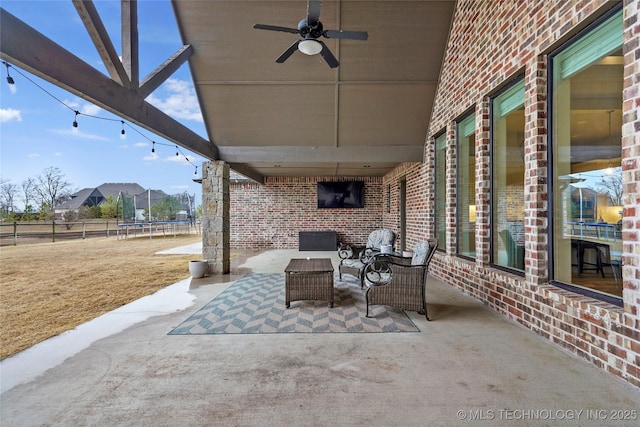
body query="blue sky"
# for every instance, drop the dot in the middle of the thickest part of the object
(36, 130)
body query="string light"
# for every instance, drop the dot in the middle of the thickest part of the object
(9, 78)
(196, 172)
(11, 81)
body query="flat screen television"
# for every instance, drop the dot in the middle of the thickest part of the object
(333, 195)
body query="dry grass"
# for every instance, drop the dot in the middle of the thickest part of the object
(49, 288)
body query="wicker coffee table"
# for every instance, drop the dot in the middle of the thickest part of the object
(309, 279)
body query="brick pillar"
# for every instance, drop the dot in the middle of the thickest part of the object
(483, 182)
(215, 216)
(631, 162)
(536, 189)
(451, 192)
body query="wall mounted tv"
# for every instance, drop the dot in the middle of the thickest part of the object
(333, 195)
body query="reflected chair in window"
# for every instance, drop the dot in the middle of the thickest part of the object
(400, 282)
(354, 263)
(515, 252)
(589, 256)
(606, 260)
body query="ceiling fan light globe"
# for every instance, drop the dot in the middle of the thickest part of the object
(309, 47)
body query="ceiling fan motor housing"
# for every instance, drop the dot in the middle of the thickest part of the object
(315, 30)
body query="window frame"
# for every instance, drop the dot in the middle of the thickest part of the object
(469, 115)
(551, 152)
(513, 84)
(442, 245)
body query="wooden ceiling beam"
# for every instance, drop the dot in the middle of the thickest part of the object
(30, 50)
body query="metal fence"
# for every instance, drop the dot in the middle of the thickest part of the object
(40, 231)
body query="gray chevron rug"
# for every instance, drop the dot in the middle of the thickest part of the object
(254, 304)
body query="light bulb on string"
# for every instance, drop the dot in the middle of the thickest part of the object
(10, 80)
(11, 83)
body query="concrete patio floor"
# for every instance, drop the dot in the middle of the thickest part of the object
(467, 366)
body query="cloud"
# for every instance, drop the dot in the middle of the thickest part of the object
(181, 101)
(172, 158)
(86, 108)
(33, 155)
(151, 157)
(76, 132)
(8, 114)
(141, 144)
(177, 159)
(90, 110)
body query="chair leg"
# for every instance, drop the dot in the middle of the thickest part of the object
(423, 310)
(424, 299)
(366, 298)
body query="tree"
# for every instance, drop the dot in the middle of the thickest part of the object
(108, 208)
(166, 209)
(8, 192)
(52, 188)
(611, 185)
(29, 213)
(28, 194)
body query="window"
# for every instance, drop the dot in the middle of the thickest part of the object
(507, 177)
(441, 191)
(587, 180)
(466, 200)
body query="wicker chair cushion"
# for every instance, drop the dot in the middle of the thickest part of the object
(420, 253)
(382, 236)
(352, 262)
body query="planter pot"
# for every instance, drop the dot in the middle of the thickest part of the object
(198, 268)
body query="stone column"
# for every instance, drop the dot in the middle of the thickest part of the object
(215, 216)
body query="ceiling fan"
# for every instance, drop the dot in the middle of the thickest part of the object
(310, 29)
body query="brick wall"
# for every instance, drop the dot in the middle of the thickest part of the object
(490, 44)
(271, 215)
(631, 159)
(419, 219)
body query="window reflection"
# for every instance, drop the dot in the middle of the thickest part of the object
(441, 191)
(507, 179)
(466, 201)
(587, 123)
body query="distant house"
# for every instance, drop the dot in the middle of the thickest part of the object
(138, 199)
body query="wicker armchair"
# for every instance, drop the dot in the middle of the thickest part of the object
(354, 264)
(400, 282)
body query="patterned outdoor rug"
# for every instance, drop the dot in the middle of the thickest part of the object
(254, 304)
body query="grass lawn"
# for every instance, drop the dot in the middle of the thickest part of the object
(49, 288)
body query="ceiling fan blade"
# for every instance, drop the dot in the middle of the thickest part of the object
(328, 56)
(313, 11)
(287, 53)
(340, 34)
(275, 28)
